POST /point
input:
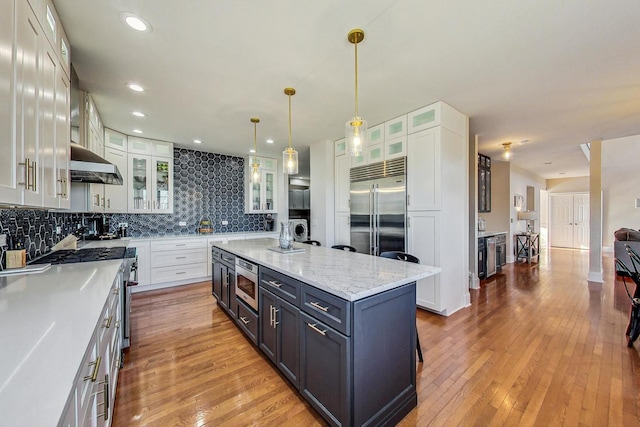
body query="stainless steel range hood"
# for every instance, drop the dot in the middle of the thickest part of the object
(86, 166)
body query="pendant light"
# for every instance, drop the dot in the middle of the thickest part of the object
(255, 166)
(506, 154)
(356, 127)
(290, 155)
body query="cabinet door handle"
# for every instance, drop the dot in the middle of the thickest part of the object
(94, 373)
(105, 393)
(97, 196)
(275, 317)
(181, 272)
(27, 165)
(275, 284)
(315, 328)
(408, 200)
(181, 244)
(319, 307)
(109, 203)
(103, 202)
(245, 320)
(271, 315)
(107, 322)
(181, 257)
(34, 174)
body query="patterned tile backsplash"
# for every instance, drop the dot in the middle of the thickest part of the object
(206, 186)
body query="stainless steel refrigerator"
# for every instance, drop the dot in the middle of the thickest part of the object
(378, 207)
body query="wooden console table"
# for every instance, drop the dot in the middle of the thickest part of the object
(527, 247)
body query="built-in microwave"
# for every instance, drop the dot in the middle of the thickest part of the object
(247, 282)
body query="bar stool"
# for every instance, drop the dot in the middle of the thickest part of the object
(312, 242)
(344, 248)
(402, 256)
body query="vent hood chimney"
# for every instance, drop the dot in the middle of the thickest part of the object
(86, 166)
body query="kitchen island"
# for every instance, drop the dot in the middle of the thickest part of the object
(340, 326)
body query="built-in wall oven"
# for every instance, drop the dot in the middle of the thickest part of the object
(247, 282)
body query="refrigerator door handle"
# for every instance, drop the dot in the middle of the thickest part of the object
(376, 200)
(372, 250)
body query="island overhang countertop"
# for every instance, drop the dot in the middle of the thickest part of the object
(348, 275)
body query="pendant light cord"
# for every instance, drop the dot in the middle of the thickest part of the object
(289, 122)
(356, 45)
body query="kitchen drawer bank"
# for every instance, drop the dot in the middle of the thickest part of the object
(179, 260)
(347, 344)
(55, 326)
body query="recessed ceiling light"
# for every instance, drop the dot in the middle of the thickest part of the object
(136, 22)
(269, 141)
(548, 163)
(523, 142)
(197, 141)
(135, 87)
(137, 131)
(561, 173)
(138, 114)
(252, 151)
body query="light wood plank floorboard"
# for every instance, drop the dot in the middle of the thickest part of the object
(539, 346)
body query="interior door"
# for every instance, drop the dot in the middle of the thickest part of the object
(361, 200)
(569, 221)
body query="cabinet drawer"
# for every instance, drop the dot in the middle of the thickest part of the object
(283, 286)
(334, 311)
(228, 259)
(171, 245)
(215, 253)
(189, 256)
(248, 322)
(182, 272)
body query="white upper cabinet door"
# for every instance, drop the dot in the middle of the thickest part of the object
(117, 140)
(28, 65)
(139, 174)
(260, 197)
(340, 147)
(10, 190)
(50, 23)
(424, 118)
(116, 195)
(63, 137)
(375, 153)
(47, 127)
(358, 160)
(376, 134)
(395, 148)
(424, 189)
(162, 178)
(162, 149)
(139, 145)
(396, 127)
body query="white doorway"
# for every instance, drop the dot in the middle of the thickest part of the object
(569, 222)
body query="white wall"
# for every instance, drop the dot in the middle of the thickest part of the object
(520, 180)
(568, 185)
(620, 185)
(322, 191)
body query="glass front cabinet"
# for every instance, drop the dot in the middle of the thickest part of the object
(261, 196)
(150, 184)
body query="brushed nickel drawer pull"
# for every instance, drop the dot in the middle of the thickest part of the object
(96, 367)
(321, 332)
(245, 320)
(319, 307)
(275, 284)
(181, 257)
(181, 272)
(34, 168)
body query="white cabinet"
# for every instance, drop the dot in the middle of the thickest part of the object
(150, 176)
(423, 171)
(261, 197)
(115, 151)
(374, 153)
(437, 114)
(35, 90)
(143, 252)
(423, 241)
(178, 260)
(396, 147)
(90, 402)
(340, 147)
(376, 134)
(342, 183)
(395, 128)
(342, 235)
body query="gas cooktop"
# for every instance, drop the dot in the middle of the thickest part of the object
(67, 256)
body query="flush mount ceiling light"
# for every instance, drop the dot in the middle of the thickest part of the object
(136, 22)
(138, 114)
(269, 141)
(137, 131)
(135, 87)
(255, 166)
(506, 154)
(197, 141)
(290, 156)
(356, 127)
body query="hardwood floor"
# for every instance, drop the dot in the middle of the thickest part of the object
(538, 346)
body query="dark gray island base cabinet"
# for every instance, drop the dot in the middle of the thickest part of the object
(353, 361)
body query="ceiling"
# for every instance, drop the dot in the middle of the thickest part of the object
(553, 73)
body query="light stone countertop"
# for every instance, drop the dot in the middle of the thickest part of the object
(215, 236)
(348, 275)
(46, 322)
(490, 233)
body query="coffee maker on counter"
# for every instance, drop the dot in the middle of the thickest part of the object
(98, 229)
